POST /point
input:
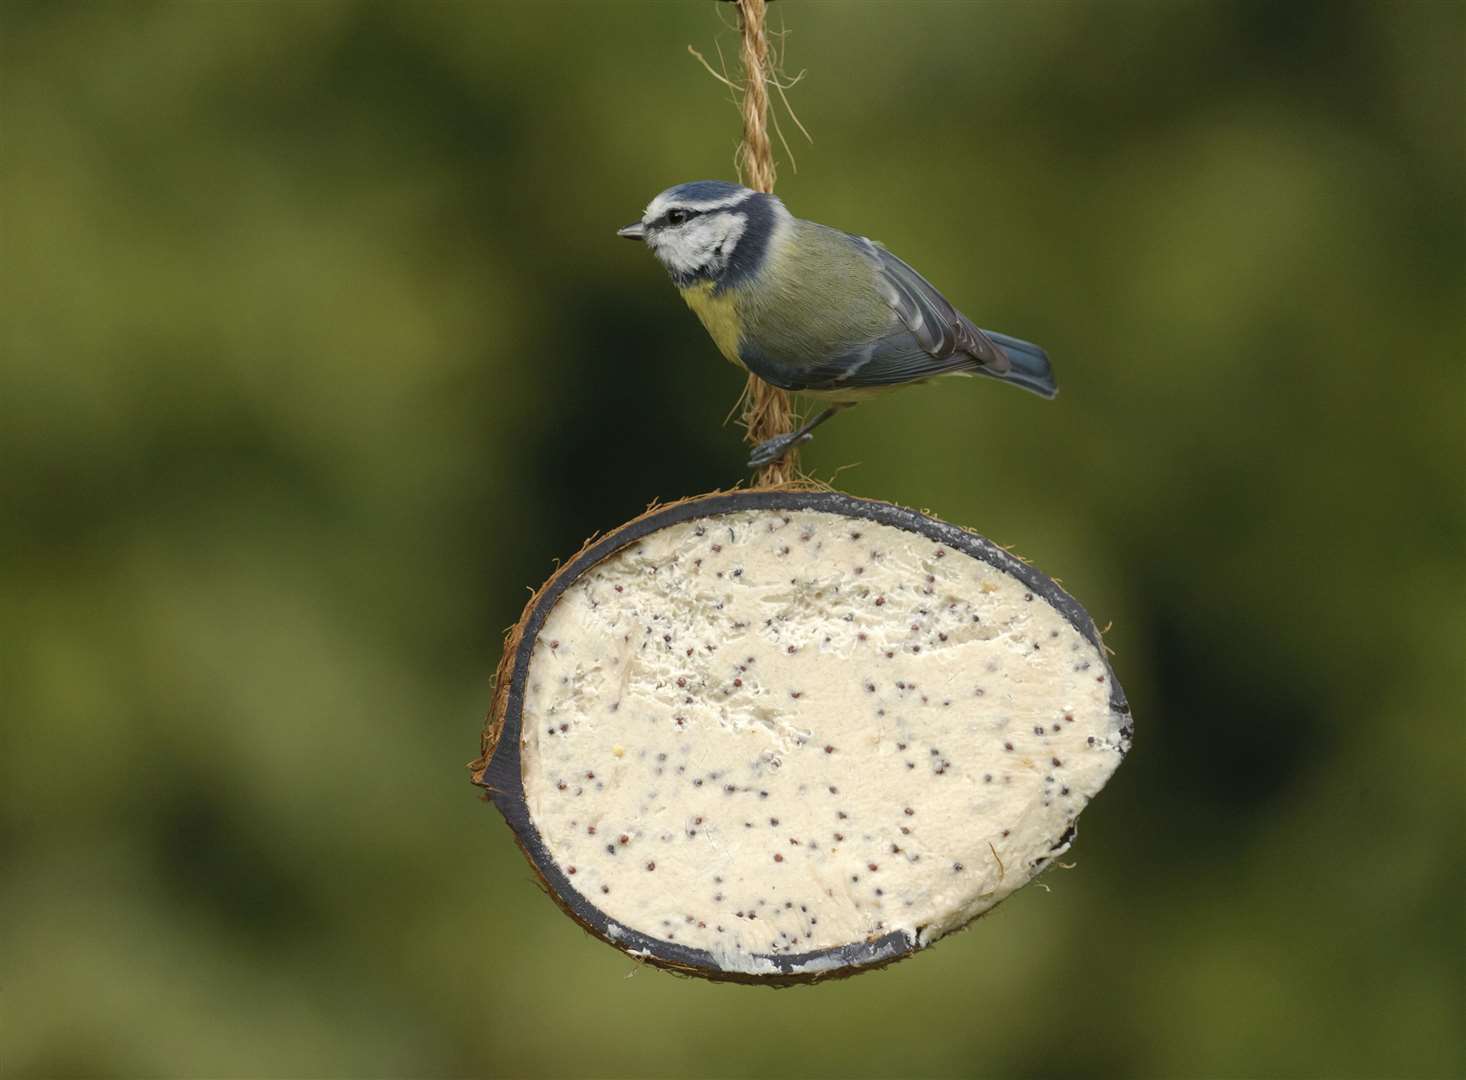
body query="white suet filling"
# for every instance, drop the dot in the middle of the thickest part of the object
(778, 732)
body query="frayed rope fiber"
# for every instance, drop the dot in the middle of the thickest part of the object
(768, 411)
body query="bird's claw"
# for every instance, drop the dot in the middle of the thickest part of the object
(771, 450)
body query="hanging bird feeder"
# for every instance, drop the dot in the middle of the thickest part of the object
(778, 735)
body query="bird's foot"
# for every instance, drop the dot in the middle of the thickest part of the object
(771, 450)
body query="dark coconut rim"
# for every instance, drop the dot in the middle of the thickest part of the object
(499, 769)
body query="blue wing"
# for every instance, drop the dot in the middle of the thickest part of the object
(930, 336)
(923, 336)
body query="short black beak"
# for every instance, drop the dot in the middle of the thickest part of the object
(635, 231)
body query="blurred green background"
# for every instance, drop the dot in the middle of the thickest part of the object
(319, 348)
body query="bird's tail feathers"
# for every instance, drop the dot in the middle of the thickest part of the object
(1029, 365)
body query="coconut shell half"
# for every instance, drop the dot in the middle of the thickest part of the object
(775, 736)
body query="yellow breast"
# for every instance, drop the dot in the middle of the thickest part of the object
(718, 314)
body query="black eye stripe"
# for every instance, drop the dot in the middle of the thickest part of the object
(678, 215)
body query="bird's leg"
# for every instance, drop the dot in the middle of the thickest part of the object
(773, 449)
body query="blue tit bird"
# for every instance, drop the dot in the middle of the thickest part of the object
(815, 310)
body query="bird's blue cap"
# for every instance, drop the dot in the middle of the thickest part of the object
(703, 191)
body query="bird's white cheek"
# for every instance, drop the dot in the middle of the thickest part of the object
(701, 247)
(684, 253)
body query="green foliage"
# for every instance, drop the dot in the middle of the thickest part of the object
(319, 348)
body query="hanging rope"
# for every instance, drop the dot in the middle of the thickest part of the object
(768, 411)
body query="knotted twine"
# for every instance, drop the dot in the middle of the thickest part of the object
(768, 411)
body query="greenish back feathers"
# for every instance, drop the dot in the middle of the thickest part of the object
(798, 313)
(815, 298)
